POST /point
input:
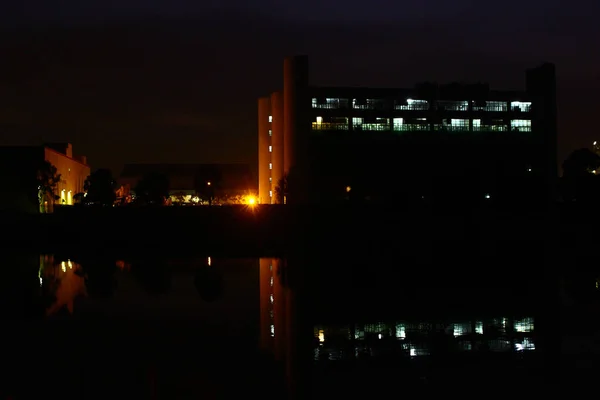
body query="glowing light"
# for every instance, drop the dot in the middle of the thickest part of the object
(208, 183)
(348, 189)
(321, 336)
(209, 261)
(63, 266)
(70, 264)
(251, 200)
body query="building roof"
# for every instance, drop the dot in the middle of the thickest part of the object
(422, 91)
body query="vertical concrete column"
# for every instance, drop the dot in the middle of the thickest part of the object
(296, 103)
(264, 157)
(277, 140)
(541, 85)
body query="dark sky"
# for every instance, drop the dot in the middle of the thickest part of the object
(176, 81)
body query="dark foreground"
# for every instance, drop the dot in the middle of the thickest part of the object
(243, 231)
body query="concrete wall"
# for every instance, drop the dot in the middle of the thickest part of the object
(264, 157)
(296, 106)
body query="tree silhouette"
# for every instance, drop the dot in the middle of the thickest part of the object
(579, 181)
(206, 183)
(582, 162)
(100, 188)
(152, 189)
(281, 190)
(48, 179)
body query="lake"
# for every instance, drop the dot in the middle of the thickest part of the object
(92, 326)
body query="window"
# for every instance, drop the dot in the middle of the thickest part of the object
(520, 106)
(479, 327)
(331, 124)
(521, 125)
(459, 124)
(524, 325)
(376, 124)
(398, 122)
(270, 149)
(270, 179)
(329, 103)
(412, 105)
(270, 132)
(476, 124)
(367, 104)
(490, 106)
(270, 193)
(270, 165)
(270, 118)
(453, 105)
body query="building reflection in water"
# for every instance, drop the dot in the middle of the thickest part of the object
(414, 338)
(62, 280)
(290, 331)
(421, 338)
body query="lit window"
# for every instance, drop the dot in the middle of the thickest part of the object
(270, 179)
(270, 149)
(319, 120)
(521, 125)
(321, 335)
(270, 132)
(523, 106)
(270, 165)
(524, 325)
(270, 118)
(479, 327)
(459, 124)
(270, 193)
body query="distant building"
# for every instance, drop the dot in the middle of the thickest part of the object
(195, 181)
(18, 169)
(431, 141)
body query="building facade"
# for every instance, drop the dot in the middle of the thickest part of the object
(73, 170)
(19, 166)
(431, 141)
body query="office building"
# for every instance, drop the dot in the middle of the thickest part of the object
(441, 142)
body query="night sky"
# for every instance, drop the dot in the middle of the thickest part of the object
(174, 81)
